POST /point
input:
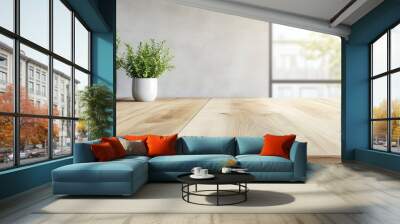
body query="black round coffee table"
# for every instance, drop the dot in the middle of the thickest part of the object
(238, 179)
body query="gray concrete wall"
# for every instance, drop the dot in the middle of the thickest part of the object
(216, 55)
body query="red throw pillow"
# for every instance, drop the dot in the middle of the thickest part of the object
(136, 137)
(277, 145)
(161, 145)
(116, 145)
(103, 152)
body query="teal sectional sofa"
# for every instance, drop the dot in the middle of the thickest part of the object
(125, 176)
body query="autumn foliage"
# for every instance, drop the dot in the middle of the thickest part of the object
(33, 131)
(380, 127)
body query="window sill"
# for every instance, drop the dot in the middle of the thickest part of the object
(381, 159)
(26, 167)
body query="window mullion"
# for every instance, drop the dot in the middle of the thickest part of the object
(73, 82)
(50, 81)
(371, 142)
(16, 84)
(389, 106)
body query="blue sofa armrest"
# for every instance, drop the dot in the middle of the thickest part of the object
(298, 155)
(83, 152)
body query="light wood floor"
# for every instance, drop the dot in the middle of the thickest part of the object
(377, 189)
(316, 121)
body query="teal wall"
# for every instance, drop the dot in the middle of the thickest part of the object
(24, 178)
(356, 100)
(100, 16)
(103, 52)
(102, 65)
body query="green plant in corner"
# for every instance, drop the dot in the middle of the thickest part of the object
(96, 102)
(119, 58)
(150, 60)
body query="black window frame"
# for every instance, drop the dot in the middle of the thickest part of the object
(16, 115)
(388, 74)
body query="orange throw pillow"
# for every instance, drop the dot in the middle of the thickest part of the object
(136, 137)
(277, 145)
(161, 145)
(103, 152)
(116, 145)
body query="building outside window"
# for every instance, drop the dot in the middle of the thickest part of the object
(30, 72)
(43, 90)
(56, 129)
(3, 81)
(55, 97)
(30, 87)
(3, 78)
(3, 61)
(38, 93)
(37, 74)
(44, 77)
(3, 72)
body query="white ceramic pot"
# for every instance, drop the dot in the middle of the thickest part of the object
(144, 89)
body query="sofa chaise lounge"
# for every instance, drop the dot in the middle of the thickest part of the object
(125, 176)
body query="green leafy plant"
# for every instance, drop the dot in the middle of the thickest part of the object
(149, 60)
(96, 102)
(119, 58)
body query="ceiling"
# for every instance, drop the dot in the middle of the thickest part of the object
(320, 9)
(316, 15)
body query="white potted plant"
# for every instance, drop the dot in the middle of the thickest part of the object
(144, 65)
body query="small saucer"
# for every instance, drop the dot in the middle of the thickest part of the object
(208, 176)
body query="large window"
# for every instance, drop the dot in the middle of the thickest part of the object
(305, 64)
(44, 64)
(385, 92)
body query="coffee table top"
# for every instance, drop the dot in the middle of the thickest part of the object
(220, 178)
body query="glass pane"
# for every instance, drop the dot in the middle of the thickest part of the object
(33, 139)
(7, 14)
(62, 89)
(379, 135)
(395, 47)
(34, 92)
(6, 142)
(379, 55)
(62, 138)
(81, 131)
(298, 90)
(81, 81)
(302, 54)
(81, 45)
(395, 94)
(395, 129)
(6, 74)
(379, 98)
(62, 29)
(35, 21)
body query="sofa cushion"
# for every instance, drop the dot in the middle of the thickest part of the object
(257, 163)
(116, 145)
(83, 152)
(136, 137)
(112, 171)
(185, 163)
(198, 145)
(129, 159)
(103, 152)
(161, 145)
(275, 145)
(137, 147)
(249, 145)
